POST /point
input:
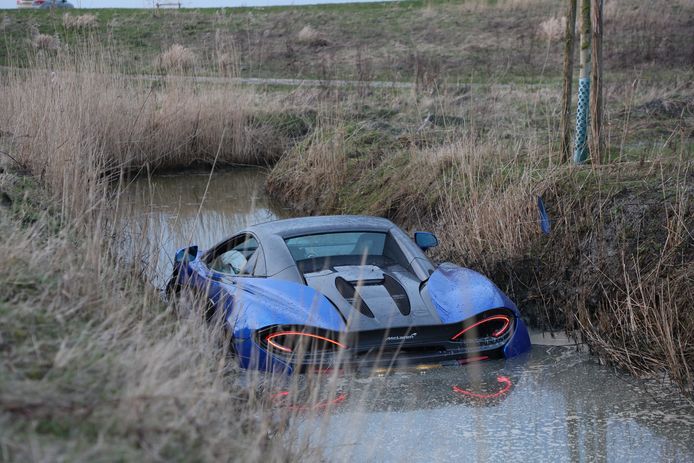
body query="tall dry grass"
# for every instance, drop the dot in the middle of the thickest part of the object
(94, 365)
(316, 171)
(88, 117)
(643, 322)
(177, 58)
(475, 182)
(95, 368)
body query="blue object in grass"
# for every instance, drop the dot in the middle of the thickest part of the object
(545, 224)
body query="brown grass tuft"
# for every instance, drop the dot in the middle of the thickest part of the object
(177, 58)
(83, 21)
(310, 36)
(552, 29)
(45, 42)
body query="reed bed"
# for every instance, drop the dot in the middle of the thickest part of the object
(601, 273)
(94, 365)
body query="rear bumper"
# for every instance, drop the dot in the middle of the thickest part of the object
(371, 353)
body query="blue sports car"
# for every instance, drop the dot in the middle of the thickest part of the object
(327, 292)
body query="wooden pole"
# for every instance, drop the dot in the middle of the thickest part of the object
(597, 147)
(581, 148)
(569, 40)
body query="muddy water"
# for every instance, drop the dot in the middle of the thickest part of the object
(173, 211)
(554, 404)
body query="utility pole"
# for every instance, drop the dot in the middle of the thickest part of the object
(581, 148)
(569, 39)
(597, 146)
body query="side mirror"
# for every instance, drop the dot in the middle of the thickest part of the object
(425, 240)
(186, 254)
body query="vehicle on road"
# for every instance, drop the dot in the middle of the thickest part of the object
(52, 4)
(328, 292)
(24, 3)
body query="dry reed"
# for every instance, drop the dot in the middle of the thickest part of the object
(177, 58)
(478, 188)
(99, 367)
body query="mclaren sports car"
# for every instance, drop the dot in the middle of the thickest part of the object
(328, 292)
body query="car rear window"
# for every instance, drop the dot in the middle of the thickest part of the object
(336, 244)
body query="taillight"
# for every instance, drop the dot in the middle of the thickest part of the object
(493, 326)
(289, 341)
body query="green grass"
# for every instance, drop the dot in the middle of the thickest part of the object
(427, 41)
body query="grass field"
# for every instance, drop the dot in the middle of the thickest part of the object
(426, 41)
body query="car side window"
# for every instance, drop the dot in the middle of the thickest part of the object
(235, 257)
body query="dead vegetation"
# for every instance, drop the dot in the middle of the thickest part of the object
(310, 36)
(177, 59)
(136, 124)
(80, 22)
(552, 29)
(45, 42)
(94, 365)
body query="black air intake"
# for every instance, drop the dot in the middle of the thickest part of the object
(397, 292)
(351, 295)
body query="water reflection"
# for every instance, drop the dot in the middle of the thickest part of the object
(554, 404)
(172, 211)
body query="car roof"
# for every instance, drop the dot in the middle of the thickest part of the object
(280, 263)
(287, 228)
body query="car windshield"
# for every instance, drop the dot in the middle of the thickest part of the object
(322, 251)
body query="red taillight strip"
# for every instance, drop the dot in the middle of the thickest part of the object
(496, 334)
(472, 359)
(500, 379)
(271, 336)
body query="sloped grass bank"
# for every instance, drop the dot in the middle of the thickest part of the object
(427, 42)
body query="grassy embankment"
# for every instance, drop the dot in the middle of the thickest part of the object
(617, 267)
(93, 365)
(428, 41)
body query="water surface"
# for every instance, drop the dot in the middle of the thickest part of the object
(554, 404)
(177, 210)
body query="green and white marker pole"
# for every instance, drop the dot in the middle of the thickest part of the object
(582, 109)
